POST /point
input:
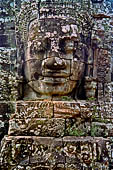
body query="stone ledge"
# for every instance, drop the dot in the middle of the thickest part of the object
(63, 109)
(57, 109)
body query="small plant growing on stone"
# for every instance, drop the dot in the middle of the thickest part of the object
(76, 132)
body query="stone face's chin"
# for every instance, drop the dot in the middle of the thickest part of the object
(50, 86)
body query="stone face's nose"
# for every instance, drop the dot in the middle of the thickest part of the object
(54, 62)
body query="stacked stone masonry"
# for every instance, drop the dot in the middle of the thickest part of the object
(55, 135)
(63, 126)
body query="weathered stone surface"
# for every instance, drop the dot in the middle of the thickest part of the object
(47, 151)
(85, 150)
(57, 109)
(104, 129)
(86, 109)
(32, 151)
(102, 110)
(6, 109)
(37, 127)
(78, 127)
(41, 151)
(54, 149)
(66, 109)
(57, 58)
(66, 55)
(90, 87)
(33, 109)
(8, 83)
(74, 166)
(42, 118)
(24, 149)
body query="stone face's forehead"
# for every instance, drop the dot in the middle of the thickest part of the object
(62, 13)
(54, 27)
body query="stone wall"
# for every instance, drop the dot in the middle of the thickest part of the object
(7, 61)
(56, 135)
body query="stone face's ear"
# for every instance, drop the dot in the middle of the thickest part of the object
(90, 87)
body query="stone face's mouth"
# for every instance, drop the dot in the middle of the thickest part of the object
(56, 74)
(54, 80)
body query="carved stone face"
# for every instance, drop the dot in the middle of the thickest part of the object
(54, 57)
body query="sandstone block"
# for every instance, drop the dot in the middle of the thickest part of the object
(37, 127)
(85, 150)
(66, 109)
(33, 109)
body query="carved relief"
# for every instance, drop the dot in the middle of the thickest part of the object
(60, 57)
(55, 58)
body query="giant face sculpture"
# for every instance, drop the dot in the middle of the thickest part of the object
(54, 57)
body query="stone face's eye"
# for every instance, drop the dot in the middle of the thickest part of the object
(36, 47)
(47, 44)
(62, 45)
(67, 45)
(40, 46)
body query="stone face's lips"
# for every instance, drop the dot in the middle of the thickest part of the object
(54, 80)
(56, 74)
